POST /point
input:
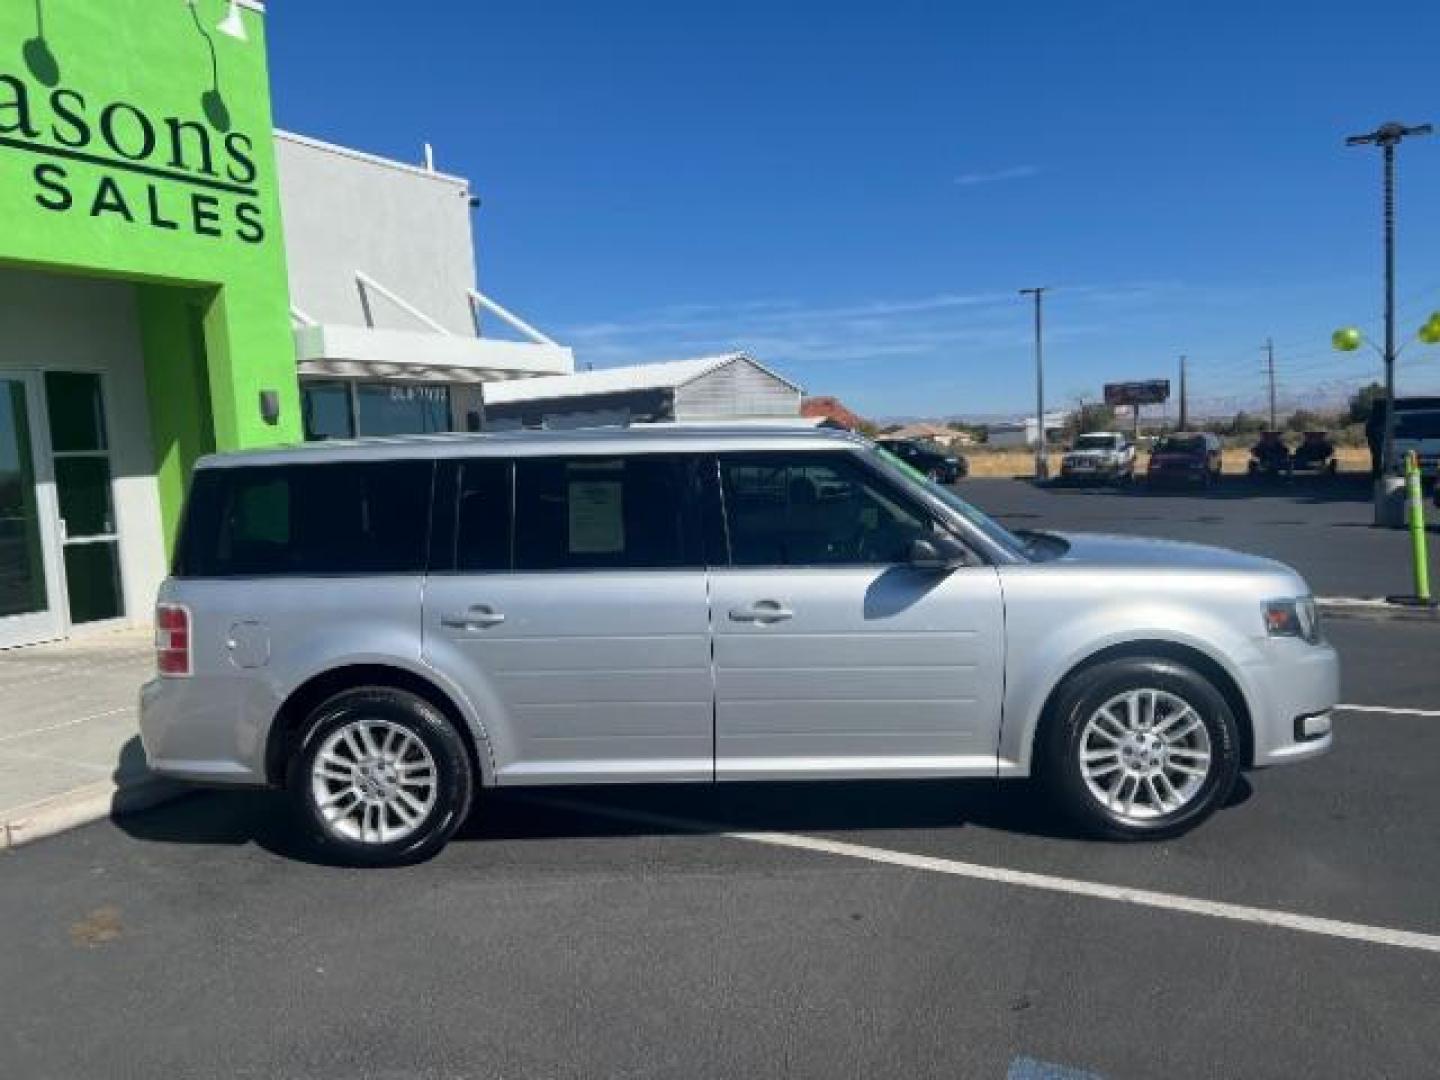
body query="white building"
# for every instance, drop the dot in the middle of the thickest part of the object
(384, 298)
(730, 386)
(1024, 432)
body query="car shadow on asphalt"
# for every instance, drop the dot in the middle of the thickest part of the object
(265, 818)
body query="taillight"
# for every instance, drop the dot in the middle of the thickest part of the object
(172, 640)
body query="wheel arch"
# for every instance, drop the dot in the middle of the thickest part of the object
(286, 727)
(1158, 648)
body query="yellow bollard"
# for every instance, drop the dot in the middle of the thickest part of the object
(1419, 552)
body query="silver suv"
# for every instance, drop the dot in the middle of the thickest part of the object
(385, 627)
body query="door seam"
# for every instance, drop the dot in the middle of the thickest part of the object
(714, 679)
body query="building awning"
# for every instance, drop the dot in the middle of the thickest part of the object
(358, 352)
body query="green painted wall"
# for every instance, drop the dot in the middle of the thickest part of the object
(125, 150)
(172, 335)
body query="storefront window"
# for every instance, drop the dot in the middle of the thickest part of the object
(327, 410)
(400, 409)
(332, 408)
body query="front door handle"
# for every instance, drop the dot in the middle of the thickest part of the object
(477, 618)
(762, 611)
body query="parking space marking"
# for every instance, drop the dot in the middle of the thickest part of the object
(1095, 890)
(67, 723)
(1027, 1068)
(1394, 711)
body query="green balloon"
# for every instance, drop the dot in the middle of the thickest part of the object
(1430, 332)
(1346, 339)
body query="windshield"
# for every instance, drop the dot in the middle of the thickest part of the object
(1180, 444)
(895, 446)
(1417, 425)
(1095, 442)
(996, 533)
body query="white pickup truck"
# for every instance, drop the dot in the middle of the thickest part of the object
(1100, 455)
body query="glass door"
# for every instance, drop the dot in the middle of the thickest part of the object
(90, 540)
(29, 581)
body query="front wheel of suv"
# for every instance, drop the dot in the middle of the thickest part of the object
(1139, 748)
(381, 777)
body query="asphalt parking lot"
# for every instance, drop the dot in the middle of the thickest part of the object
(880, 929)
(1321, 526)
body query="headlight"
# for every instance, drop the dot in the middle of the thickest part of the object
(1298, 618)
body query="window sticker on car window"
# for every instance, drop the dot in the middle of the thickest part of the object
(597, 519)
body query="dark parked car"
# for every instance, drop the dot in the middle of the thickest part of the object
(1315, 455)
(941, 465)
(1187, 457)
(1270, 457)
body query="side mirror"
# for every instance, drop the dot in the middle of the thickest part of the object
(937, 551)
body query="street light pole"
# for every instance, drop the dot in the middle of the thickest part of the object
(1042, 460)
(1387, 137)
(1269, 348)
(1184, 403)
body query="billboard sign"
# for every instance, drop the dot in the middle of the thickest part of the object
(1149, 392)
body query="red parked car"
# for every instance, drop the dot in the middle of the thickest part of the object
(1187, 457)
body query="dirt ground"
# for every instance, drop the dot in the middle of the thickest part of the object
(1022, 462)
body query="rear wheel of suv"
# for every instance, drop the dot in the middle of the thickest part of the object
(381, 777)
(1139, 749)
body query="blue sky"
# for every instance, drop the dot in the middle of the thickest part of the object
(853, 192)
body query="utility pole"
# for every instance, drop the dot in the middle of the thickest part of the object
(1184, 410)
(1387, 137)
(1042, 459)
(1269, 348)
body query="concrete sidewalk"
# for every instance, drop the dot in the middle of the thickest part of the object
(69, 748)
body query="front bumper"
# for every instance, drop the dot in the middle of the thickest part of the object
(1188, 474)
(1090, 471)
(1293, 689)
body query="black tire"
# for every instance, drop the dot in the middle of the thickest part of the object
(454, 784)
(1059, 746)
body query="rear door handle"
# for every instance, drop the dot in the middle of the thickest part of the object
(477, 618)
(762, 611)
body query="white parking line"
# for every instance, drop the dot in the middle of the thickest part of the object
(67, 723)
(1286, 920)
(1388, 709)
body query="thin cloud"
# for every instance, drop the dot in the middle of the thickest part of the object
(810, 341)
(1014, 172)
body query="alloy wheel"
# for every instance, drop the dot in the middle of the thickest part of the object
(374, 781)
(1145, 754)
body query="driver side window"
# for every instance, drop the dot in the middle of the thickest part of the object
(819, 509)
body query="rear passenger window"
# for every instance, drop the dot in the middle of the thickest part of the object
(594, 513)
(343, 518)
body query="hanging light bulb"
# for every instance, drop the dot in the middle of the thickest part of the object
(233, 25)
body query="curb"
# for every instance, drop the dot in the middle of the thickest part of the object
(104, 799)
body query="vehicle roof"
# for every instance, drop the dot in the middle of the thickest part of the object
(1106, 434)
(639, 438)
